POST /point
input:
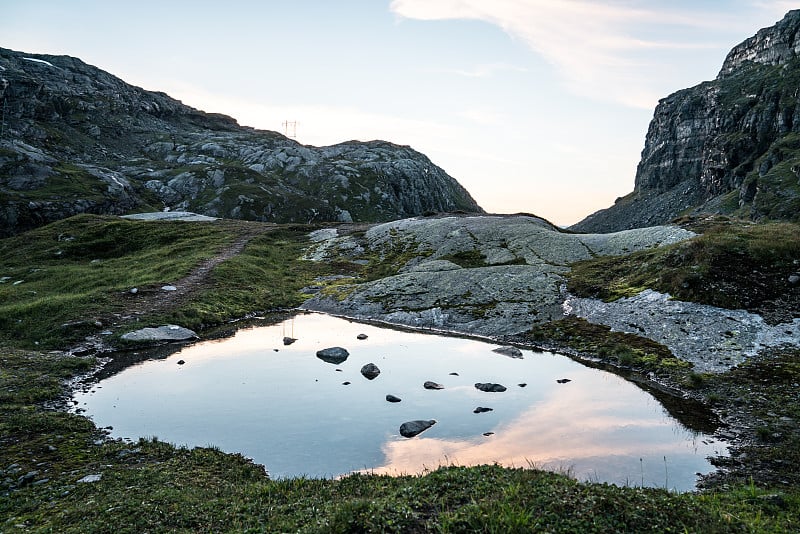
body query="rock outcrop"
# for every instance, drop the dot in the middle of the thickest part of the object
(76, 139)
(729, 146)
(486, 275)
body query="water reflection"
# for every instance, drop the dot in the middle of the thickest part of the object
(291, 411)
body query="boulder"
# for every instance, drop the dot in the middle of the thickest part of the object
(432, 385)
(482, 409)
(334, 355)
(392, 398)
(362, 336)
(409, 429)
(168, 332)
(490, 387)
(370, 371)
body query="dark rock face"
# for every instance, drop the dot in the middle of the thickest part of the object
(334, 355)
(77, 139)
(728, 146)
(410, 429)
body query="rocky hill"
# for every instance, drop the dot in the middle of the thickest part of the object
(76, 139)
(729, 146)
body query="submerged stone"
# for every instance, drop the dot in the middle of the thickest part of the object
(409, 429)
(334, 355)
(511, 352)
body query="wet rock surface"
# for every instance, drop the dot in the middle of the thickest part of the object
(370, 371)
(334, 355)
(409, 429)
(490, 387)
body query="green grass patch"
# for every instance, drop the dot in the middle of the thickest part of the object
(732, 265)
(621, 349)
(78, 269)
(268, 275)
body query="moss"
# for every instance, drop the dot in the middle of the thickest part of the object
(468, 259)
(618, 348)
(732, 265)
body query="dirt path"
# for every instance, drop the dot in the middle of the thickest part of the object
(157, 300)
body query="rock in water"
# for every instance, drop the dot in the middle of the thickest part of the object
(288, 340)
(432, 385)
(409, 429)
(334, 355)
(481, 409)
(392, 398)
(563, 380)
(511, 352)
(362, 336)
(490, 388)
(370, 371)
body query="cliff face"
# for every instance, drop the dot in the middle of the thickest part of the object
(728, 146)
(76, 139)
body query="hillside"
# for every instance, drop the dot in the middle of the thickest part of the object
(729, 146)
(76, 139)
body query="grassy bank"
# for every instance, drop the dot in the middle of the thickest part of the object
(60, 473)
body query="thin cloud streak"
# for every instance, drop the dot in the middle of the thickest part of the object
(593, 46)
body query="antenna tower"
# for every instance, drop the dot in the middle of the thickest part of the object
(290, 129)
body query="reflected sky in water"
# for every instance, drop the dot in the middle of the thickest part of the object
(292, 412)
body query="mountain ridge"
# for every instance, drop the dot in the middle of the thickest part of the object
(727, 146)
(77, 139)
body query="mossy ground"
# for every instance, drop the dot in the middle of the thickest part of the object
(733, 264)
(152, 486)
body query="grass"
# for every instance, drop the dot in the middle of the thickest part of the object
(621, 349)
(266, 276)
(153, 486)
(75, 271)
(732, 265)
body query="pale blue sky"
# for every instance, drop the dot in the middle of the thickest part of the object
(533, 105)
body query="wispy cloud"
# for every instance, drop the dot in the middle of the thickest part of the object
(487, 70)
(599, 49)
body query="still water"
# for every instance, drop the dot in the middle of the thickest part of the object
(294, 413)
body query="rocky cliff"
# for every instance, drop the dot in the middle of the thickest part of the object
(730, 146)
(75, 139)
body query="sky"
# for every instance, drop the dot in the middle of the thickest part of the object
(537, 106)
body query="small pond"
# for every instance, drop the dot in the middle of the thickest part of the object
(299, 415)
